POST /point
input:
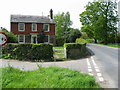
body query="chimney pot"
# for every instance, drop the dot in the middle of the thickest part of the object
(51, 13)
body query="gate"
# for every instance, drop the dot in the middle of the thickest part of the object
(59, 53)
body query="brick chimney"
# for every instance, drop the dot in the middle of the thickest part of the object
(51, 14)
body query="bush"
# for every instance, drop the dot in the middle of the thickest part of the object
(60, 41)
(81, 41)
(28, 51)
(118, 38)
(75, 51)
(11, 37)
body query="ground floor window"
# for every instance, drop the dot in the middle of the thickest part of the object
(46, 39)
(21, 38)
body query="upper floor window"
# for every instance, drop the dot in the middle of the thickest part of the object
(21, 27)
(34, 27)
(46, 27)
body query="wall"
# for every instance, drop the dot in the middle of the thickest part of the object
(28, 29)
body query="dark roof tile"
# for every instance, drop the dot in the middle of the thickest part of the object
(31, 19)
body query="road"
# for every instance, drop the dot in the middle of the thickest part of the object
(107, 60)
(103, 64)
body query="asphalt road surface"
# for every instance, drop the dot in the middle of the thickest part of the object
(107, 59)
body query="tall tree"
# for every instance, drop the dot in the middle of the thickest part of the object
(100, 19)
(63, 23)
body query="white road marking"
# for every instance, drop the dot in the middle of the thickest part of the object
(96, 67)
(91, 74)
(88, 62)
(90, 70)
(99, 74)
(97, 70)
(101, 79)
(89, 67)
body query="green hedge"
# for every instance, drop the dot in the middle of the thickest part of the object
(28, 51)
(75, 51)
(81, 41)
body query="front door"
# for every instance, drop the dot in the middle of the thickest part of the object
(34, 39)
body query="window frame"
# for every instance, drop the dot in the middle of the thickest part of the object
(23, 27)
(48, 39)
(23, 38)
(35, 27)
(48, 27)
(33, 35)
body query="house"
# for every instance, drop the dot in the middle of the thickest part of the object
(29, 29)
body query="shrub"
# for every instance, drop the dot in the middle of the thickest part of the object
(28, 51)
(118, 38)
(11, 37)
(60, 41)
(75, 51)
(81, 41)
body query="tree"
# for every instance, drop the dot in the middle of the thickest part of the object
(99, 20)
(11, 37)
(72, 35)
(63, 23)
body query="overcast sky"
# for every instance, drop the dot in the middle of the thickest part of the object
(37, 7)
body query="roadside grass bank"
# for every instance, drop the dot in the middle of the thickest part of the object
(50, 77)
(116, 45)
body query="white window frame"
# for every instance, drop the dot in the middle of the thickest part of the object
(48, 38)
(48, 27)
(23, 39)
(32, 38)
(35, 26)
(19, 27)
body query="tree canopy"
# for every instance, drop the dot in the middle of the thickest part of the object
(99, 20)
(63, 23)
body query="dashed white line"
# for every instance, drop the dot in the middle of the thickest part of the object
(91, 74)
(97, 70)
(99, 74)
(89, 67)
(101, 79)
(90, 70)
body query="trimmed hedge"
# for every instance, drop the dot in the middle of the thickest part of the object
(75, 51)
(81, 41)
(30, 52)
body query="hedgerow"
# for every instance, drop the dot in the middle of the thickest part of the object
(75, 51)
(30, 52)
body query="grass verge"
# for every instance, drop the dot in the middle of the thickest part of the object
(51, 77)
(110, 45)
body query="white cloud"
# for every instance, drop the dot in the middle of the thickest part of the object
(36, 7)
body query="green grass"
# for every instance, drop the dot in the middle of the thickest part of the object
(51, 77)
(111, 45)
(58, 47)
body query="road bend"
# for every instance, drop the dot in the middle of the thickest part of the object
(107, 60)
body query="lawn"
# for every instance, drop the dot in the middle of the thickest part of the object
(50, 77)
